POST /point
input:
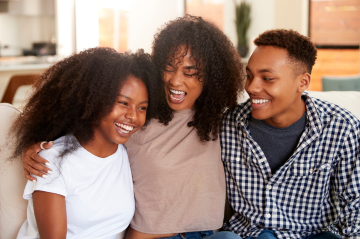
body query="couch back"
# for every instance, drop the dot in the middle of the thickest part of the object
(12, 181)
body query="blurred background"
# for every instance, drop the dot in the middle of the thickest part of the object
(34, 34)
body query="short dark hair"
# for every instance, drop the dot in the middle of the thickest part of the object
(221, 66)
(72, 96)
(300, 49)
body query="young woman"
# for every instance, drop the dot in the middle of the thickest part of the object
(178, 176)
(90, 104)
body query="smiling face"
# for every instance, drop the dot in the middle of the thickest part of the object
(182, 86)
(128, 113)
(273, 87)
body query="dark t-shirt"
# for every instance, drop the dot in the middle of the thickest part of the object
(278, 144)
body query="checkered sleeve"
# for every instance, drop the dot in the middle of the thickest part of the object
(347, 185)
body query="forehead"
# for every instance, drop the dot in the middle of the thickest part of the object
(268, 57)
(182, 54)
(134, 87)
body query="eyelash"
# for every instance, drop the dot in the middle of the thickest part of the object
(125, 103)
(190, 75)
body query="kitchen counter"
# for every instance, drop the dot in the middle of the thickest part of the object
(26, 63)
(22, 65)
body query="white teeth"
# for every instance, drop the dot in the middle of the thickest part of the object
(177, 98)
(259, 101)
(128, 128)
(178, 92)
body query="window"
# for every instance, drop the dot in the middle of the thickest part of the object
(113, 24)
(211, 10)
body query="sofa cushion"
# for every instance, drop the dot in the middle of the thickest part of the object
(12, 181)
(346, 99)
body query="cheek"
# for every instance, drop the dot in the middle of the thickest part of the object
(167, 77)
(197, 88)
(142, 118)
(246, 85)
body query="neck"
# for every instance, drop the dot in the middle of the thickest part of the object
(99, 147)
(291, 116)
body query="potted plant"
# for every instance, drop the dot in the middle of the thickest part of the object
(242, 22)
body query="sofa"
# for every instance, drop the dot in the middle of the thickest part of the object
(12, 181)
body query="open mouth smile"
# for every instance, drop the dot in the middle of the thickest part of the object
(177, 96)
(126, 129)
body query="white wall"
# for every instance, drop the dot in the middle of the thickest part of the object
(65, 27)
(87, 24)
(77, 25)
(146, 17)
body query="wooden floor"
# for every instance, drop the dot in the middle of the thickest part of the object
(334, 62)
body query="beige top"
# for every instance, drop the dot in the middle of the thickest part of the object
(179, 182)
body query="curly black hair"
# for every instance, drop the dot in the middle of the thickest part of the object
(72, 96)
(222, 71)
(300, 49)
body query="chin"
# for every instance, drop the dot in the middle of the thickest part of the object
(177, 107)
(259, 116)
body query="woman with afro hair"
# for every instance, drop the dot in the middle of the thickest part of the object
(178, 176)
(89, 104)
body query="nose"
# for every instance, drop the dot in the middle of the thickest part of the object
(131, 114)
(253, 85)
(176, 79)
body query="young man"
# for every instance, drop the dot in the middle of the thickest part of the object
(292, 162)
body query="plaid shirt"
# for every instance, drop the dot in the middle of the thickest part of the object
(317, 188)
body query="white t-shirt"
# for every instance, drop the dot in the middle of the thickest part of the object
(98, 193)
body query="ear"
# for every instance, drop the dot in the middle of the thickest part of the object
(304, 82)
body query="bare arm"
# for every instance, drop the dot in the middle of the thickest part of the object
(33, 163)
(50, 215)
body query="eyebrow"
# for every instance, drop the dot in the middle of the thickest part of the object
(127, 97)
(261, 70)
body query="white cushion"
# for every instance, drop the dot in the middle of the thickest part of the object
(346, 99)
(12, 181)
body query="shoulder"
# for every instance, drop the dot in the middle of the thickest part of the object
(58, 146)
(331, 112)
(240, 112)
(53, 154)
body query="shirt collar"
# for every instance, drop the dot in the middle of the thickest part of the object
(312, 115)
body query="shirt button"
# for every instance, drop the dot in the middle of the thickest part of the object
(311, 170)
(268, 187)
(261, 160)
(237, 159)
(268, 215)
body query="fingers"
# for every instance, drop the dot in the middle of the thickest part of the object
(35, 169)
(44, 144)
(38, 163)
(34, 164)
(28, 176)
(38, 159)
(48, 145)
